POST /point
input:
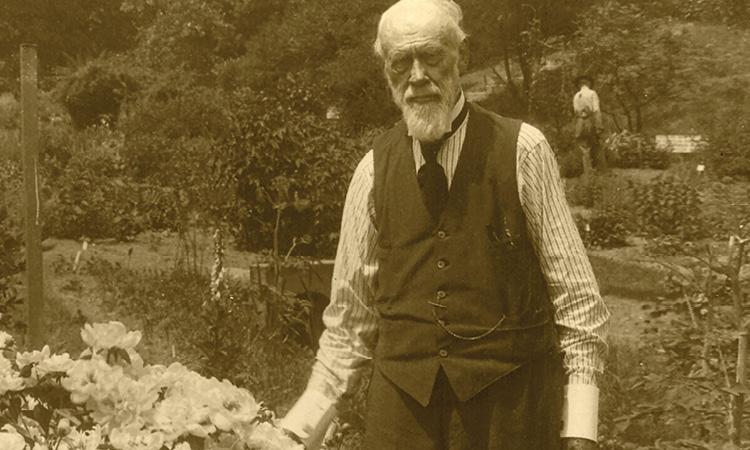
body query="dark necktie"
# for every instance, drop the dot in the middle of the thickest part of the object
(431, 176)
(432, 179)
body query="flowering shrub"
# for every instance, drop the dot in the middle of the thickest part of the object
(109, 399)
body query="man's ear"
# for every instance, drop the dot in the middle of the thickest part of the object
(463, 56)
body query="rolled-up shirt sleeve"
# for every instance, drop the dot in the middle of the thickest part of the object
(351, 323)
(580, 313)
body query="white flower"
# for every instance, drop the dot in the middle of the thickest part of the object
(89, 379)
(9, 378)
(266, 437)
(136, 438)
(88, 440)
(23, 359)
(10, 440)
(107, 335)
(136, 406)
(6, 340)
(55, 363)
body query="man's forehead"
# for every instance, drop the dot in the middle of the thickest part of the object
(414, 21)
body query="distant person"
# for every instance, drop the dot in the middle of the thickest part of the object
(459, 273)
(588, 123)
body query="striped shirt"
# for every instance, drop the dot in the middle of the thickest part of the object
(351, 321)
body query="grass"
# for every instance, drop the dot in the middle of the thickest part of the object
(61, 328)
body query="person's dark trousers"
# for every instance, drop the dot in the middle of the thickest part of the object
(520, 411)
(598, 154)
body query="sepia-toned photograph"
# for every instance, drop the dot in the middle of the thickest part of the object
(374, 224)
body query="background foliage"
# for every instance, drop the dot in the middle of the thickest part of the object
(190, 113)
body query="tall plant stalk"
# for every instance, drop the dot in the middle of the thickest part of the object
(741, 389)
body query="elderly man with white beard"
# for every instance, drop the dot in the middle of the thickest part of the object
(459, 273)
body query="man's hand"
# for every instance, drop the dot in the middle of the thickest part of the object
(578, 444)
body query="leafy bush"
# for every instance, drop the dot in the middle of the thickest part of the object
(727, 209)
(11, 233)
(287, 165)
(735, 12)
(10, 110)
(571, 162)
(634, 150)
(89, 193)
(94, 92)
(727, 152)
(600, 190)
(603, 229)
(228, 339)
(172, 141)
(110, 398)
(669, 206)
(11, 241)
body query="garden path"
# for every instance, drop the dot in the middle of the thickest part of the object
(629, 287)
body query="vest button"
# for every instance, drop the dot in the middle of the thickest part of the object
(443, 353)
(442, 264)
(442, 234)
(441, 294)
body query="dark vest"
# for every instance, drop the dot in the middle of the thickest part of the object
(466, 294)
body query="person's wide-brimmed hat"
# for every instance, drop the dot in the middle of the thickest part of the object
(584, 77)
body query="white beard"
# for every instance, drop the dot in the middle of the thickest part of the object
(427, 122)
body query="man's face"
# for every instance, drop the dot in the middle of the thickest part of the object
(421, 65)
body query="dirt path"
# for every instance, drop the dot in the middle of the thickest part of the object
(79, 291)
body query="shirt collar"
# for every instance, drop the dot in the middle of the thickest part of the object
(458, 106)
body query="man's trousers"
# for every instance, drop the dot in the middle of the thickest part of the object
(520, 411)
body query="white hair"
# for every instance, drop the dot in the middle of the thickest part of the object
(449, 8)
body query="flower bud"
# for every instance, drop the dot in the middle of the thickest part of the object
(63, 427)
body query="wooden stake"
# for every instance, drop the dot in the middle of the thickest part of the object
(32, 222)
(738, 400)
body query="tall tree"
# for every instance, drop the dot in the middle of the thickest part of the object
(63, 30)
(518, 34)
(632, 57)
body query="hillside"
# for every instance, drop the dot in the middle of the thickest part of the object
(715, 70)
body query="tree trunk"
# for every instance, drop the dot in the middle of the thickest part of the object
(509, 75)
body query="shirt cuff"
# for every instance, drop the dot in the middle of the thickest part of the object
(580, 411)
(310, 417)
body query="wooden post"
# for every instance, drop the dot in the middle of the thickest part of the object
(738, 400)
(32, 213)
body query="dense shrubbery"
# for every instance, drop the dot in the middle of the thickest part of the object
(727, 209)
(228, 339)
(605, 228)
(668, 206)
(663, 206)
(611, 217)
(9, 111)
(285, 161)
(600, 190)
(571, 163)
(172, 142)
(727, 151)
(11, 240)
(634, 150)
(11, 234)
(94, 93)
(734, 12)
(89, 193)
